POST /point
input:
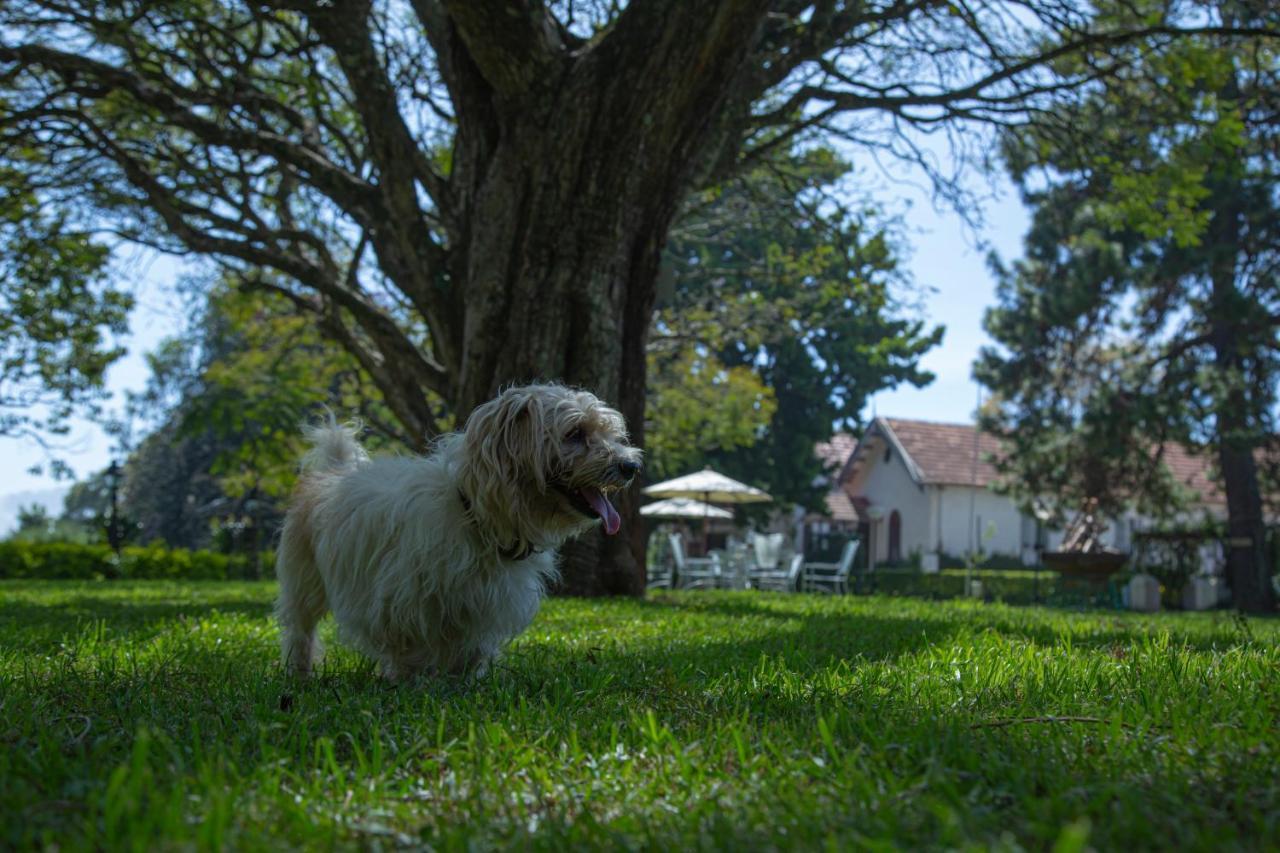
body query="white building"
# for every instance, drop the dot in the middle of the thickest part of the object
(922, 489)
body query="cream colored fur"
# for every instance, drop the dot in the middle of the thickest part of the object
(419, 558)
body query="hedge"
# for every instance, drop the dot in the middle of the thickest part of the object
(1013, 587)
(69, 561)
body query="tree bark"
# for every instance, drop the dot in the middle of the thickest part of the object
(575, 182)
(1237, 433)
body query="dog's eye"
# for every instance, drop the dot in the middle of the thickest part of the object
(575, 436)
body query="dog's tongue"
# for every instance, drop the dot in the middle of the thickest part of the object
(604, 509)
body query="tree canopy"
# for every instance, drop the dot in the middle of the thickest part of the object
(1146, 310)
(469, 193)
(59, 314)
(797, 303)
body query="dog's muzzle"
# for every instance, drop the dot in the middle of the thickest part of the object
(593, 500)
(626, 470)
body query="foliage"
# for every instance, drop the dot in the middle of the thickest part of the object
(65, 560)
(33, 517)
(168, 492)
(58, 312)
(1144, 313)
(36, 525)
(229, 397)
(1011, 586)
(157, 715)
(263, 372)
(58, 530)
(771, 278)
(696, 404)
(88, 501)
(348, 156)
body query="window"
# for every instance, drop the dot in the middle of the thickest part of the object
(888, 453)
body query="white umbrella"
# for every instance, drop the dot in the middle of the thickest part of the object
(710, 487)
(683, 508)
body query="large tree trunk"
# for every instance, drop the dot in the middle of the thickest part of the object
(1247, 568)
(1237, 431)
(573, 186)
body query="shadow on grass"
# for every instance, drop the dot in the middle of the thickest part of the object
(685, 657)
(873, 637)
(32, 625)
(585, 671)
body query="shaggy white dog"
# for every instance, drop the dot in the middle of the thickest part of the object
(431, 564)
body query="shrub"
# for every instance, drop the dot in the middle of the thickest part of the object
(1013, 587)
(1002, 562)
(70, 561)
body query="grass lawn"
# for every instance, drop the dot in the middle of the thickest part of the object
(153, 714)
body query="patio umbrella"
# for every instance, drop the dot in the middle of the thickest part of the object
(709, 487)
(683, 508)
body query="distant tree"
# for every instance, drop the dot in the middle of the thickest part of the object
(467, 193)
(229, 397)
(33, 517)
(798, 302)
(698, 405)
(58, 313)
(169, 493)
(88, 501)
(1146, 310)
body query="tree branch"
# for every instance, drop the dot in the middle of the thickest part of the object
(390, 340)
(514, 43)
(406, 249)
(347, 190)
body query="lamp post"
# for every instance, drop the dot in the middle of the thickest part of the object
(113, 517)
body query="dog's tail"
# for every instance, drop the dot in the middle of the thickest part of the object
(333, 445)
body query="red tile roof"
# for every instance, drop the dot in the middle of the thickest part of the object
(1194, 472)
(840, 506)
(943, 454)
(833, 453)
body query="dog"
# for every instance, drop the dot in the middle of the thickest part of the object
(432, 564)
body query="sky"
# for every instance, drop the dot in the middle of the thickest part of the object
(158, 314)
(945, 256)
(950, 259)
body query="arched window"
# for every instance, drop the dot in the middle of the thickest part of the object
(895, 537)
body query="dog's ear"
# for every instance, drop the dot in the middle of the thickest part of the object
(505, 439)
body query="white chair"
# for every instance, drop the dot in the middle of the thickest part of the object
(660, 577)
(768, 548)
(693, 572)
(830, 577)
(735, 567)
(781, 580)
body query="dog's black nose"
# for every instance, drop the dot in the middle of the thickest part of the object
(628, 469)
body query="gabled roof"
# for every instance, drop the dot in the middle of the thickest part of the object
(943, 454)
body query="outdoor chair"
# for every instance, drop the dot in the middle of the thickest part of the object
(768, 550)
(780, 580)
(693, 572)
(660, 577)
(735, 566)
(830, 577)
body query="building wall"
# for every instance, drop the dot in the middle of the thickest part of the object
(998, 525)
(890, 487)
(937, 518)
